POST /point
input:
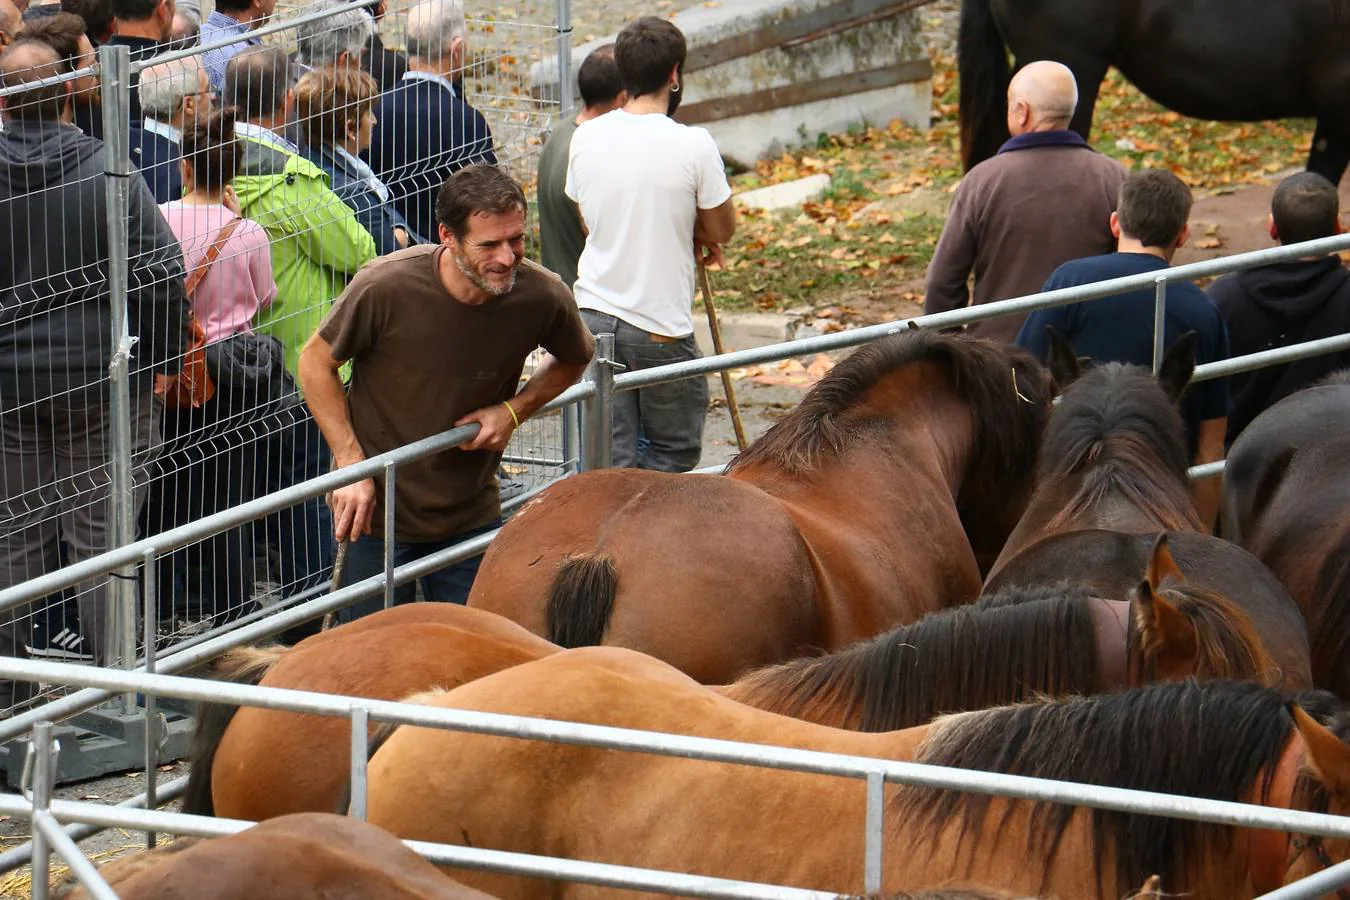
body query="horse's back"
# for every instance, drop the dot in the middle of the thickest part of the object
(695, 558)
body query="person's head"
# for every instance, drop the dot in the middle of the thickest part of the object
(1042, 96)
(650, 54)
(481, 214)
(336, 40)
(599, 83)
(183, 31)
(64, 33)
(257, 81)
(211, 153)
(175, 91)
(147, 18)
(25, 62)
(11, 20)
(1305, 207)
(336, 106)
(436, 35)
(97, 16)
(1153, 210)
(253, 13)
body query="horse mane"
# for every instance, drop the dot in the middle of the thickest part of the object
(1007, 389)
(1117, 427)
(1209, 740)
(1332, 592)
(1339, 378)
(968, 657)
(1228, 644)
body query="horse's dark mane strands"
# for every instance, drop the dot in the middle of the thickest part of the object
(1002, 650)
(1210, 741)
(997, 381)
(1117, 423)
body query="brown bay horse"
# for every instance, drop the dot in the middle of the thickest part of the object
(1005, 649)
(884, 495)
(1111, 476)
(307, 855)
(1223, 740)
(1287, 500)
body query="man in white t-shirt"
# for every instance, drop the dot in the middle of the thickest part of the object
(652, 193)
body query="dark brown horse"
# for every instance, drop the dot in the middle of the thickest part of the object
(1211, 59)
(1287, 493)
(1112, 476)
(883, 496)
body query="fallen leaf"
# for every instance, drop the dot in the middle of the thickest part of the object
(1208, 244)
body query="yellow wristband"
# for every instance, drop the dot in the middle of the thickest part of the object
(514, 417)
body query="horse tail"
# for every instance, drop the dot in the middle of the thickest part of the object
(244, 665)
(982, 65)
(582, 600)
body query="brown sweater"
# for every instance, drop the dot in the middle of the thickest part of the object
(1016, 218)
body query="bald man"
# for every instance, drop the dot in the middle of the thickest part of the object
(1044, 199)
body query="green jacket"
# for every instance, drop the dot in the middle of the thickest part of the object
(317, 244)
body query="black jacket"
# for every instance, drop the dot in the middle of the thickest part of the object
(1275, 306)
(384, 65)
(55, 311)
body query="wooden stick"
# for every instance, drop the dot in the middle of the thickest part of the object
(727, 388)
(339, 564)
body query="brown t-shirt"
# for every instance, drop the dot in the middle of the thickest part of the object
(421, 360)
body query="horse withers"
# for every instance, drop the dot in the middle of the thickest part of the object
(1209, 59)
(1287, 500)
(884, 495)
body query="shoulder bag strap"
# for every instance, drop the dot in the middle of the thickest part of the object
(212, 254)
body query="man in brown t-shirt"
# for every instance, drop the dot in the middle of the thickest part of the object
(438, 336)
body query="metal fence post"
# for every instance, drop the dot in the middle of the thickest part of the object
(389, 531)
(1159, 318)
(566, 101)
(43, 775)
(150, 619)
(598, 421)
(571, 438)
(876, 805)
(120, 632)
(360, 751)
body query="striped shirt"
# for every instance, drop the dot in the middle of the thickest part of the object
(219, 27)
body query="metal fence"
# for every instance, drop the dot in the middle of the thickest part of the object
(361, 712)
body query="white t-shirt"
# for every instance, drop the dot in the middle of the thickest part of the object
(638, 180)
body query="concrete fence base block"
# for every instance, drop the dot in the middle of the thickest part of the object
(787, 195)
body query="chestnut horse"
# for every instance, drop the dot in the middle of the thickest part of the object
(1111, 476)
(1224, 740)
(1287, 493)
(881, 497)
(306, 855)
(1005, 649)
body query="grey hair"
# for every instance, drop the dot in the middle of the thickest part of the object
(348, 30)
(432, 26)
(165, 85)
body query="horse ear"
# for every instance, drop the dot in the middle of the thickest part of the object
(1166, 636)
(1178, 364)
(1064, 365)
(1151, 890)
(1328, 757)
(1161, 565)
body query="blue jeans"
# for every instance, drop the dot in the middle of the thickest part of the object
(365, 558)
(659, 427)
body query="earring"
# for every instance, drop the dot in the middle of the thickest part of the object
(675, 88)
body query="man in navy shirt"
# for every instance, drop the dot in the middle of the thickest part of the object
(1151, 225)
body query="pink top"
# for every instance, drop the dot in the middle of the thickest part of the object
(239, 283)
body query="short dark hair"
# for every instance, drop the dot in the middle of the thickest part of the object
(61, 31)
(256, 82)
(233, 5)
(1154, 207)
(25, 61)
(479, 188)
(1305, 207)
(598, 78)
(97, 16)
(134, 10)
(646, 52)
(212, 149)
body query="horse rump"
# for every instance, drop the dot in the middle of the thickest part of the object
(244, 665)
(581, 600)
(982, 64)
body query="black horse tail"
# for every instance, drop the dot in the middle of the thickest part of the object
(982, 64)
(244, 665)
(582, 600)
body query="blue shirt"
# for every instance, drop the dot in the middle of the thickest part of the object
(218, 27)
(1120, 328)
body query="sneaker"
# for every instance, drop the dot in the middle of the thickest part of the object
(66, 645)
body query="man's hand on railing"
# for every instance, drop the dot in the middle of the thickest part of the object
(495, 425)
(352, 506)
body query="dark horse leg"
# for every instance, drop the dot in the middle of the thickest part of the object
(1330, 153)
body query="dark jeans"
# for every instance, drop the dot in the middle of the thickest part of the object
(365, 558)
(660, 427)
(302, 535)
